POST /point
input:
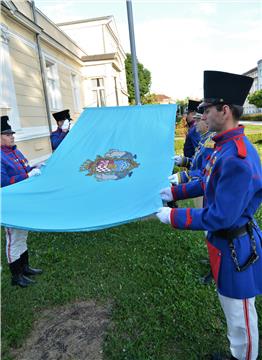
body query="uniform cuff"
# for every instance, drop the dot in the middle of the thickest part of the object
(181, 218)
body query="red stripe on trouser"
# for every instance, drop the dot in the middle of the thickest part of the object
(249, 340)
(15, 243)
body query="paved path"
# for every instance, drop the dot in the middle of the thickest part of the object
(251, 122)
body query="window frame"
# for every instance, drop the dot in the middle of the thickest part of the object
(54, 95)
(76, 91)
(99, 90)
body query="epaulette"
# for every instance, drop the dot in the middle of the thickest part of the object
(241, 147)
(209, 144)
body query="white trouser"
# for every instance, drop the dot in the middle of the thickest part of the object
(15, 243)
(242, 326)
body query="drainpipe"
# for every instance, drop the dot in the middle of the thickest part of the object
(42, 69)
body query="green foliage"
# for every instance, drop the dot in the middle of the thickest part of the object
(144, 77)
(255, 98)
(149, 99)
(182, 104)
(179, 118)
(252, 117)
(179, 144)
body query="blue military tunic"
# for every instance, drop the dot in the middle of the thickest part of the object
(232, 188)
(14, 166)
(197, 163)
(57, 137)
(191, 142)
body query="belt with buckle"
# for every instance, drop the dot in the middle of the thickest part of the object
(230, 235)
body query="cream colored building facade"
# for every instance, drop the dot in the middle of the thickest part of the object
(105, 62)
(256, 74)
(70, 77)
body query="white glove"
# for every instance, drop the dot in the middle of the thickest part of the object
(166, 194)
(178, 159)
(65, 125)
(38, 166)
(174, 179)
(34, 172)
(163, 215)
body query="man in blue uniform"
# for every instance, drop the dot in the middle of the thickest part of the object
(15, 168)
(193, 137)
(198, 161)
(195, 166)
(63, 119)
(232, 188)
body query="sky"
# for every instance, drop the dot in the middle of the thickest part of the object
(177, 40)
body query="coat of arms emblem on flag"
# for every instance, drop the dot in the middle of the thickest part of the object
(114, 165)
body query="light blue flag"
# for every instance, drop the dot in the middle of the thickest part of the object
(107, 171)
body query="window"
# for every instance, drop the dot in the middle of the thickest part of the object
(76, 92)
(98, 91)
(8, 104)
(53, 86)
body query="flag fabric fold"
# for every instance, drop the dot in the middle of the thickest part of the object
(106, 172)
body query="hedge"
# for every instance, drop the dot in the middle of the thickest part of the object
(252, 117)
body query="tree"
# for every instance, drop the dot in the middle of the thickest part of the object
(256, 98)
(150, 98)
(144, 77)
(182, 104)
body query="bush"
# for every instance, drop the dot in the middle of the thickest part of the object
(252, 117)
(181, 127)
(181, 132)
(179, 143)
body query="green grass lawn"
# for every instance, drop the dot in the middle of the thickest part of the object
(252, 129)
(148, 271)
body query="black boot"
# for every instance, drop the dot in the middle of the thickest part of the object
(17, 276)
(28, 280)
(207, 279)
(172, 204)
(27, 270)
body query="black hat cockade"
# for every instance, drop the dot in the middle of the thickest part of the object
(224, 88)
(192, 105)
(5, 127)
(62, 115)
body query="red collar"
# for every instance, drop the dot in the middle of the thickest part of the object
(228, 135)
(8, 149)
